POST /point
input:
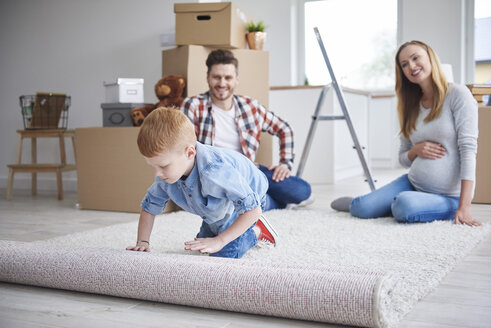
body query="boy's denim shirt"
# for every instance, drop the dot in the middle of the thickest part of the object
(222, 181)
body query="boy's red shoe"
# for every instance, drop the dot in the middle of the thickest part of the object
(266, 231)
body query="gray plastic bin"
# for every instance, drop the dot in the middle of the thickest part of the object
(118, 114)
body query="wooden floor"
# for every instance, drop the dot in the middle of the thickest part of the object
(462, 300)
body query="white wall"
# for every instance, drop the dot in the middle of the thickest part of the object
(447, 26)
(72, 46)
(383, 137)
(332, 156)
(278, 16)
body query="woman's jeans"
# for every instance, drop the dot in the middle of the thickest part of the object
(401, 200)
(292, 190)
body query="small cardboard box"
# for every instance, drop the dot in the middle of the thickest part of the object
(124, 90)
(190, 62)
(112, 174)
(220, 24)
(483, 173)
(118, 114)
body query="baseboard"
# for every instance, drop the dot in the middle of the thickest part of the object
(23, 182)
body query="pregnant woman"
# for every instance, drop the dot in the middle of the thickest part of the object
(438, 144)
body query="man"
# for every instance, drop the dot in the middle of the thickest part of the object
(224, 119)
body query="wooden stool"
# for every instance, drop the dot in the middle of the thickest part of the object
(35, 168)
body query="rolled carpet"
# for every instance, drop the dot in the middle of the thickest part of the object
(340, 295)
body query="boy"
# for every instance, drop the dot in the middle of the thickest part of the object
(222, 186)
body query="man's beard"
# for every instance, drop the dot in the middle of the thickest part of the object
(222, 95)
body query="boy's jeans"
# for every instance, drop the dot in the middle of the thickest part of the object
(236, 248)
(401, 200)
(292, 190)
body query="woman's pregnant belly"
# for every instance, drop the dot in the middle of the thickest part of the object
(437, 176)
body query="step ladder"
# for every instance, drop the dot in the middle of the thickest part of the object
(316, 118)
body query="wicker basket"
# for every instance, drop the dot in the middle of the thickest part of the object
(45, 110)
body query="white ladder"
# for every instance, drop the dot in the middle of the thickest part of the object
(316, 118)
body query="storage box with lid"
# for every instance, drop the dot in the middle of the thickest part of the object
(118, 114)
(219, 24)
(124, 90)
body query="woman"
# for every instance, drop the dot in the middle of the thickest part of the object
(438, 144)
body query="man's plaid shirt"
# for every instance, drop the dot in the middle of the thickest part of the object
(251, 119)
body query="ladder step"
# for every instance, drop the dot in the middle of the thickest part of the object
(330, 117)
(40, 168)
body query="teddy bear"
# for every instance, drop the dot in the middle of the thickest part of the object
(169, 90)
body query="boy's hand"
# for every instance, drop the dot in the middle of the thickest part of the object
(204, 245)
(140, 247)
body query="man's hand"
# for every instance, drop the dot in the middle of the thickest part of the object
(464, 216)
(204, 245)
(280, 172)
(140, 247)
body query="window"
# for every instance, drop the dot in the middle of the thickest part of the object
(360, 40)
(482, 39)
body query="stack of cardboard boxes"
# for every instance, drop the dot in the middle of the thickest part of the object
(482, 193)
(112, 175)
(203, 27)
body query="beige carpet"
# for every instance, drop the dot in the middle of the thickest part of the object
(328, 266)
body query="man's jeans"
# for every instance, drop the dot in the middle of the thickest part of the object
(401, 200)
(292, 190)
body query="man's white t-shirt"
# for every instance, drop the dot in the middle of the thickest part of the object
(226, 131)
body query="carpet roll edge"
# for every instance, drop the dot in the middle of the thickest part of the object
(382, 285)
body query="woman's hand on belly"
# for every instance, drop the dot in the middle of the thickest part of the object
(427, 149)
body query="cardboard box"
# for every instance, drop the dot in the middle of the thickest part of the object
(118, 114)
(483, 173)
(220, 24)
(124, 91)
(480, 93)
(112, 174)
(190, 62)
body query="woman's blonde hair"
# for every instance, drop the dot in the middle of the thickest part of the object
(164, 129)
(409, 94)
